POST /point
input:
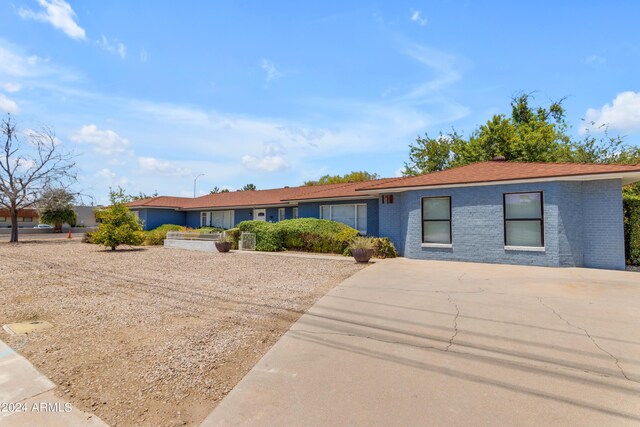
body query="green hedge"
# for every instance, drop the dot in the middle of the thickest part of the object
(632, 229)
(303, 234)
(234, 235)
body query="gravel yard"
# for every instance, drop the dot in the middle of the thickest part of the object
(153, 336)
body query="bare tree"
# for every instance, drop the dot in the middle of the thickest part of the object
(30, 164)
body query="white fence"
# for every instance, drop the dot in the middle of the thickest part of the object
(192, 235)
(247, 242)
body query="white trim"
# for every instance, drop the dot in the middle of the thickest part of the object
(525, 248)
(283, 216)
(226, 208)
(437, 245)
(630, 178)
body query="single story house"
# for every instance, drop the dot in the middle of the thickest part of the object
(27, 218)
(546, 214)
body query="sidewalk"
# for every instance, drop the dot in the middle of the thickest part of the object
(27, 398)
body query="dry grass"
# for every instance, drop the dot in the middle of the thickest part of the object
(153, 336)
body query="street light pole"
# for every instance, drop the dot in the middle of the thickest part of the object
(194, 184)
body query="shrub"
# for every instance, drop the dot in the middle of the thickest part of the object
(304, 234)
(87, 238)
(268, 236)
(234, 236)
(118, 225)
(382, 248)
(361, 243)
(632, 229)
(210, 230)
(158, 235)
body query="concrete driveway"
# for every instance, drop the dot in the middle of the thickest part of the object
(408, 342)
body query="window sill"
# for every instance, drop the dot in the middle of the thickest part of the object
(525, 248)
(437, 245)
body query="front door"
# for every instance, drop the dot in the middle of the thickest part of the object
(260, 214)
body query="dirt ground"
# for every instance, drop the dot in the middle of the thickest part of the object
(153, 336)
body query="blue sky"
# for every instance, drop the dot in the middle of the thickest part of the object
(151, 94)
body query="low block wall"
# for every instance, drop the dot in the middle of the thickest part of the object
(192, 245)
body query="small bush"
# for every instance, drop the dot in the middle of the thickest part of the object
(382, 248)
(632, 229)
(361, 243)
(87, 237)
(158, 235)
(209, 230)
(234, 236)
(303, 234)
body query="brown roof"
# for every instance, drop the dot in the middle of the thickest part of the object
(161, 201)
(28, 213)
(339, 190)
(505, 171)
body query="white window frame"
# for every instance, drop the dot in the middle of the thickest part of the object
(355, 207)
(295, 213)
(282, 214)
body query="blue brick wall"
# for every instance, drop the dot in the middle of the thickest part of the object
(582, 221)
(153, 218)
(603, 229)
(312, 210)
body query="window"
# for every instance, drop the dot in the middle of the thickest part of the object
(352, 215)
(3, 219)
(24, 219)
(295, 213)
(220, 219)
(523, 219)
(436, 220)
(281, 214)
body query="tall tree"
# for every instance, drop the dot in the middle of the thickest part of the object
(249, 187)
(529, 134)
(356, 176)
(56, 207)
(30, 164)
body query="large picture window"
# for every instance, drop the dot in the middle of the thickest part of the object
(354, 216)
(220, 219)
(436, 220)
(523, 219)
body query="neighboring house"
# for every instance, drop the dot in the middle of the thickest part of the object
(547, 214)
(27, 218)
(85, 216)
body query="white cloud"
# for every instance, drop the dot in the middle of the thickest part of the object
(115, 47)
(105, 142)
(59, 14)
(595, 59)
(265, 163)
(623, 114)
(416, 16)
(112, 179)
(8, 106)
(163, 167)
(12, 87)
(271, 70)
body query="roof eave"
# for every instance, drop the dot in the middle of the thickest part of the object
(625, 177)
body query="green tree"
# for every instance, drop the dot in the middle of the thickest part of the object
(118, 225)
(217, 190)
(249, 187)
(140, 196)
(56, 207)
(356, 176)
(529, 135)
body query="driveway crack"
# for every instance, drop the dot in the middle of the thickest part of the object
(455, 322)
(595, 343)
